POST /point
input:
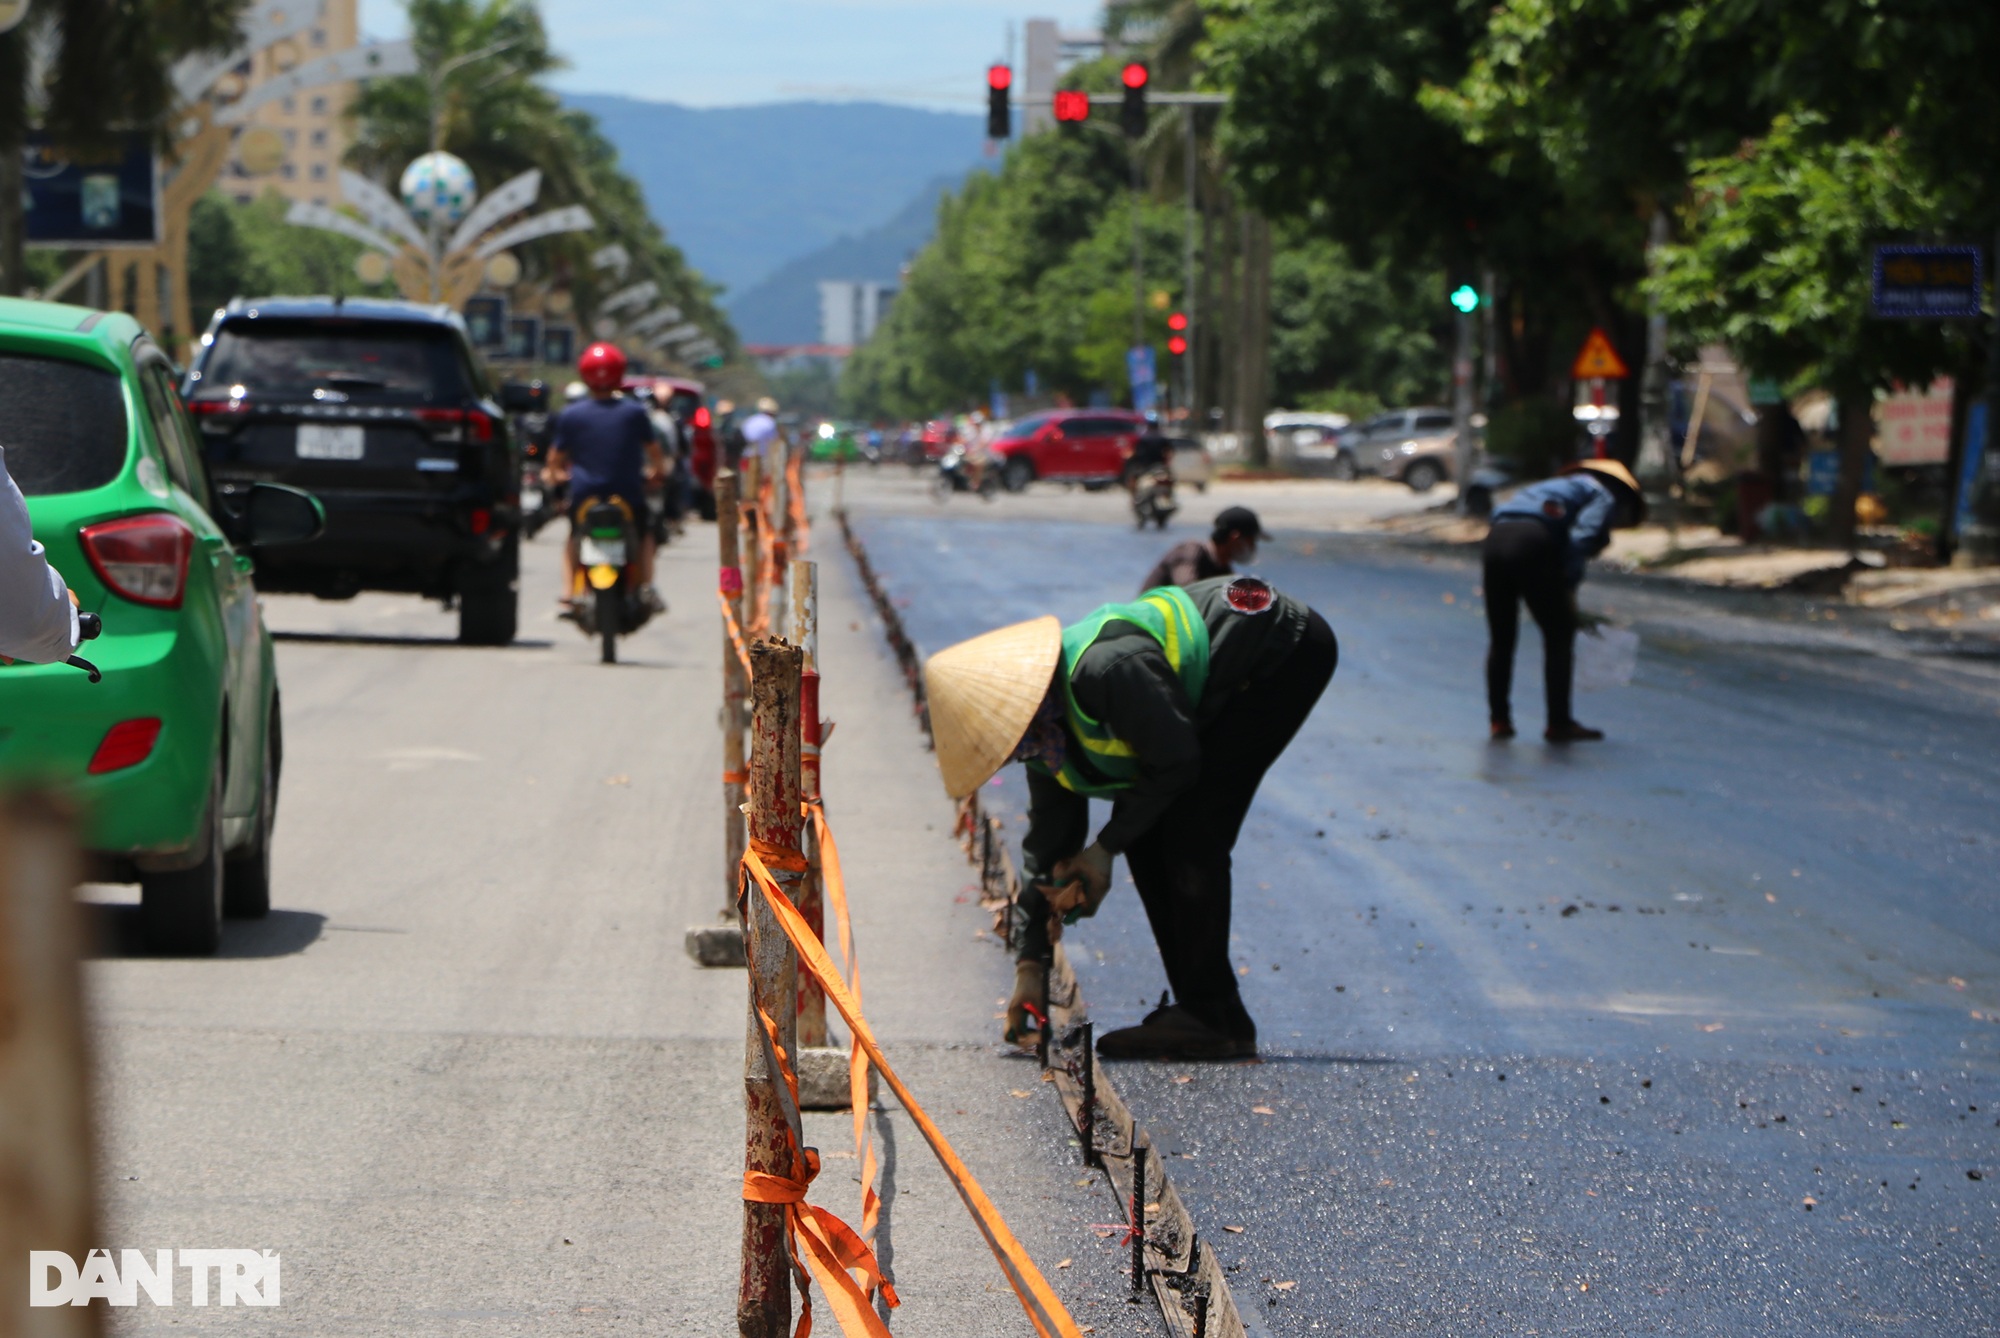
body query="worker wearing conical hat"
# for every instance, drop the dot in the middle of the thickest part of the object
(1172, 707)
(1535, 553)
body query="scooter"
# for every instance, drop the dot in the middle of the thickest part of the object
(954, 474)
(607, 601)
(1153, 497)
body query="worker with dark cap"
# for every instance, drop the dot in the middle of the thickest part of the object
(1234, 539)
(1535, 552)
(1172, 707)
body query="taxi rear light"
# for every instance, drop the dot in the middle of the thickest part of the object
(141, 558)
(126, 744)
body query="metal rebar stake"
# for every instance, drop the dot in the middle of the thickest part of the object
(1087, 1108)
(1138, 1222)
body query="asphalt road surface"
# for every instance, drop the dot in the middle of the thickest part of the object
(463, 1078)
(1691, 1031)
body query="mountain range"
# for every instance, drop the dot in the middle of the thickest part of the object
(767, 200)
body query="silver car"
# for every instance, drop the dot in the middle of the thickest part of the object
(1413, 446)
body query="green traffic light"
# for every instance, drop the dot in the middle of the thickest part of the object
(1466, 298)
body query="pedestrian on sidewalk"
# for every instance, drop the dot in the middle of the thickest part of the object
(1234, 539)
(1535, 552)
(1172, 707)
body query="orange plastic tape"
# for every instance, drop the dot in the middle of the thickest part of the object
(1044, 1310)
(735, 778)
(835, 887)
(735, 633)
(830, 1248)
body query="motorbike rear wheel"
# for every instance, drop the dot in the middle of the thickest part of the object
(608, 621)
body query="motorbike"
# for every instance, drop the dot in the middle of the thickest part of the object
(1153, 497)
(954, 474)
(607, 601)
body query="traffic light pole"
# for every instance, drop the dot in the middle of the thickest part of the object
(1188, 303)
(1461, 407)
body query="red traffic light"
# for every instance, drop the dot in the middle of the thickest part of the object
(1176, 345)
(1134, 75)
(1177, 321)
(999, 76)
(1072, 104)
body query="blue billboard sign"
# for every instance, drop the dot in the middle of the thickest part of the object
(1926, 282)
(73, 203)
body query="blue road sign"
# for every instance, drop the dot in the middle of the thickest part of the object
(1145, 381)
(115, 202)
(1926, 282)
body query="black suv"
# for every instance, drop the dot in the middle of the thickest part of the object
(383, 411)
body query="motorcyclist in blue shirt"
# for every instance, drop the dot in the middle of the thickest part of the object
(605, 447)
(1535, 552)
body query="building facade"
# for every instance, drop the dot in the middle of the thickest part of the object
(308, 125)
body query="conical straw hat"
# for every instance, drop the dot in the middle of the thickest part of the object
(983, 695)
(1614, 470)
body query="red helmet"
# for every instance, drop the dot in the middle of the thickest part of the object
(602, 367)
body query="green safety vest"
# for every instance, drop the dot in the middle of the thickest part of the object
(1170, 618)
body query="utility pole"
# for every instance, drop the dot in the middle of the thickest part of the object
(1465, 300)
(1187, 259)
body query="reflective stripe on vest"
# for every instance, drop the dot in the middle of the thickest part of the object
(1170, 618)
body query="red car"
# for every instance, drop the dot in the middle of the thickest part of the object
(1071, 445)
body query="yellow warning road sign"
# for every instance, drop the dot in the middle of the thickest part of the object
(1598, 360)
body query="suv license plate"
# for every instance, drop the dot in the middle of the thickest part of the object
(323, 441)
(601, 552)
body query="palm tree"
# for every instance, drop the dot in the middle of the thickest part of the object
(480, 98)
(87, 71)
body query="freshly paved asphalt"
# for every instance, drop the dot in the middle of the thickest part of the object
(463, 1078)
(1692, 1031)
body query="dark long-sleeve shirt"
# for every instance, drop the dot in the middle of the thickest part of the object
(1185, 564)
(1125, 681)
(1576, 506)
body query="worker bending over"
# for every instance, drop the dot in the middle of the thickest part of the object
(1172, 707)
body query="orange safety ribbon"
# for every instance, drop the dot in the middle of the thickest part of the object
(1044, 1310)
(735, 631)
(835, 887)
(825, 1244)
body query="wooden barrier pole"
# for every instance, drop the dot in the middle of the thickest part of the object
(805, 635)
(734, 689)
(45, 1110)
(779, 518)
(764, 1294)
(748, 487)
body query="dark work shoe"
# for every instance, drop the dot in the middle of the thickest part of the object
(1503, 729)
(1174, 1033)
(1572, 733)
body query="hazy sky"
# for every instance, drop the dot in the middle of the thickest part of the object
(712, 53)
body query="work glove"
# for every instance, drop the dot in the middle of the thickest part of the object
(1081, 883)
(1031, 984)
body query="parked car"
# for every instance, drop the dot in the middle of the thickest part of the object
(1412, 446)
(383, 411)
(174, 756)
(1067, 445)
(1312, 440)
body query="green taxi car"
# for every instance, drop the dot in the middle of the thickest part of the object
(173, 758)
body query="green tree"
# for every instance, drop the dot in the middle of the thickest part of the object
(1776, 264)
(86, 71)
(1341, 332)
(249, 250)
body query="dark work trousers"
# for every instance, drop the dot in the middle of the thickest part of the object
(1182, 864)
(1523, 561)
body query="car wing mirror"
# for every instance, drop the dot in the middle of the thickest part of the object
(274, 515)
(524, 396)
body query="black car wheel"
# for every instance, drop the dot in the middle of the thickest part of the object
(246, 874)
(180, 913)
(1422, 476)
(1018, 474)
(488, 599)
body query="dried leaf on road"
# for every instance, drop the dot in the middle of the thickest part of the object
(1712, 1026)
(1262, 1110)
(1234, 1231)
(1183, 1077)
(1017, 1092)
(1064, 1263)
(1283, 1286)
(617, 780)
(1086, 1181)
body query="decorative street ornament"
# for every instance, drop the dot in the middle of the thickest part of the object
(438, 189)
(612, 257)
(374, 61)
(656, 319)
(636, 296)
